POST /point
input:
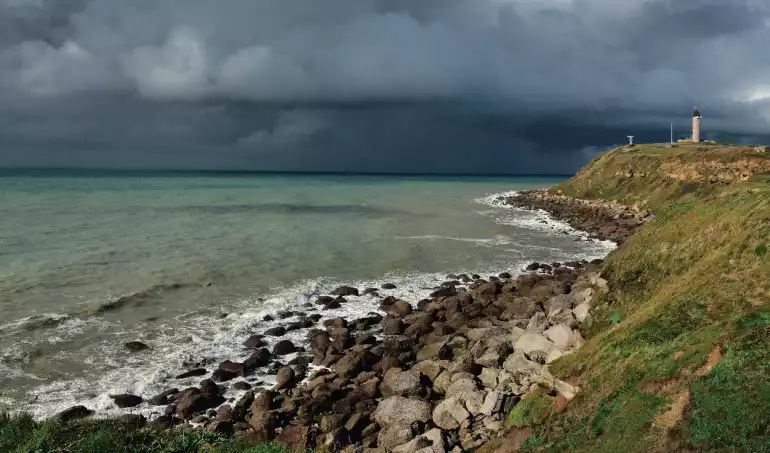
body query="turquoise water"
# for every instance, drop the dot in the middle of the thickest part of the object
(189, 263)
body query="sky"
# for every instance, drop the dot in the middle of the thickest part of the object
(424, 86)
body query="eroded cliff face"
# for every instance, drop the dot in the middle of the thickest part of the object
(647, 174)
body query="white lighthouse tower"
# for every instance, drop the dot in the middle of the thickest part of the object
(696, 117)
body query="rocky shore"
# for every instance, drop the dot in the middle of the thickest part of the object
(435, 375)
(605, 220)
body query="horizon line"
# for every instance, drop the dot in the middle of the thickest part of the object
(146, 171)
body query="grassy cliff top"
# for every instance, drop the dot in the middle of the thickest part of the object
(679, 351)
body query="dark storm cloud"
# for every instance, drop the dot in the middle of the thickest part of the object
(371, 85)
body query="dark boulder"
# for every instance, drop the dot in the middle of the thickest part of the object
(192, 373)
(446, 291)
(345, 291)
(285, 379)
(258, 359)
(136, 346)
(284, 347)
(163, 398)
(189, 404)
(388, 286)
(126, 400)
(399, 308)
(277, 331)
(74, 413)
(209, 386)
(242, 385)
(254, 342)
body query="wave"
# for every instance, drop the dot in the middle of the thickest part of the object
(138, 298)
(34, 322)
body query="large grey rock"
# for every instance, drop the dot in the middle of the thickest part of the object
(562, 301)
(397, 409)
(494, 404)
(394, 435)
(535, 346)
(562, 316)
(581, 312)
(450, 413)
(401, 383)
(468, 393)
(429, 368)
(538, 322)
(437, 350)
(432, 441)
(561, 336)
(488, 377)
(521, 368)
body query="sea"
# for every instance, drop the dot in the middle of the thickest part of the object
(190, 263)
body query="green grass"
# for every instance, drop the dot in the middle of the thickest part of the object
(21, 434)
(531, 410)
(694, 280)
(729, 405)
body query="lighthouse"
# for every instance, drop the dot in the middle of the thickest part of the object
(696, 125)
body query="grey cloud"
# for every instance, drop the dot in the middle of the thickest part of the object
(434, 85)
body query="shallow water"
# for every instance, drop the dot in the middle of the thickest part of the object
(190, 263)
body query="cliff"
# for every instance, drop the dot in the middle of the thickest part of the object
(678, 351)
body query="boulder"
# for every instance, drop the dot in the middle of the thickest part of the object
(285, 378)
(581, 312)
(562, 301)
(429, 368)
(74, 413)
(450, 414)
(284, 347)
(561, 336)
(399, 308)
(521, 368)
(554, 355)
(468, 393)
(388, 286)
(254, 342)
(189, 404)
(349, 365)
(394, 435)
(126, 400)
(261, 357)
(437, 350)
(538, 322)
(192, 373)
(489, 377)
(135, 346)
(264, 425)
(295, 437)
(278, 331)
(208, 386)
(562, 316)
(445, 291)
(392, 325)
(535, 346)
(162, 398)
(400, 410)
(401, 383)
(345, 291)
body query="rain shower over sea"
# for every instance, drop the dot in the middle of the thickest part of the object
(190, 264)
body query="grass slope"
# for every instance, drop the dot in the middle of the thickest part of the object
(20, 434)
(679, 350)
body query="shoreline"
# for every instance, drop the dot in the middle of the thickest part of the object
(603, 220)
(497, 321)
